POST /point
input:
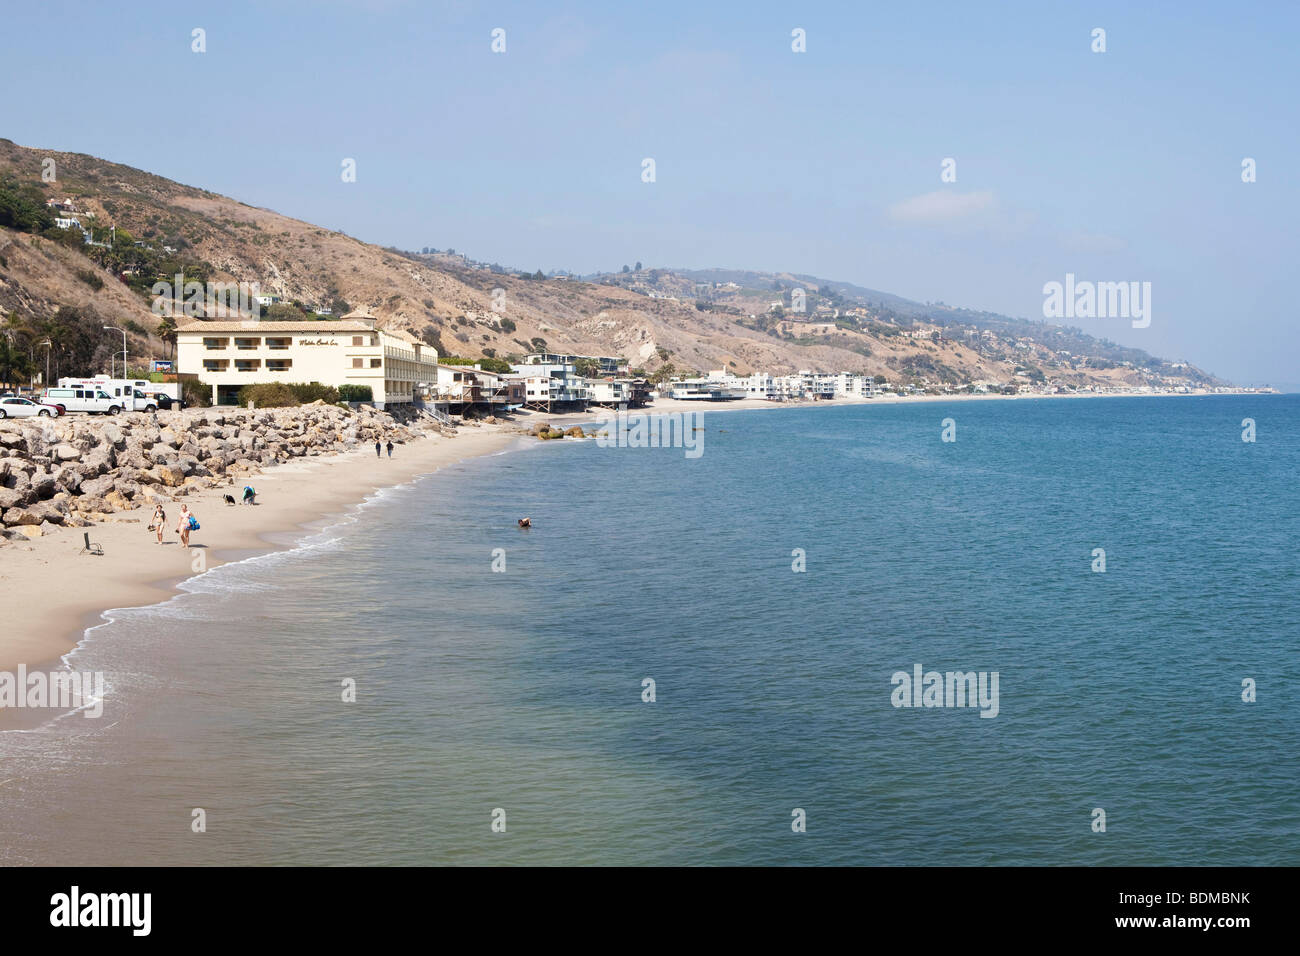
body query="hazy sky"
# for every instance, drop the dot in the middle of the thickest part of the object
(1117, 166)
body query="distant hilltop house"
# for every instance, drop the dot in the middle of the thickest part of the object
(61, 206)
(267, 298)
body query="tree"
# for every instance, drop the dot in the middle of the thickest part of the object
(638, 267)
(588, 367)
(663, 374)
(166, 331)
(626, 269)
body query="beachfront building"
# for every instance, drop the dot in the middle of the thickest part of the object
(553, 386)
(469, 389)
(350, 351)
(608, 364)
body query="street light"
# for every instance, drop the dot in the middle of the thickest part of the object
(48, 345)
(114, 328)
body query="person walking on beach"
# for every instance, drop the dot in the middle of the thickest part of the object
(390, 449)
(377, 454)
(159, 519)
(183, 526)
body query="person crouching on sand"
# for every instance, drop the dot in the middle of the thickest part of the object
(159, 519)
(183, 526)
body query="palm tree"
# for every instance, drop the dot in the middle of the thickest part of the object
(167, 332)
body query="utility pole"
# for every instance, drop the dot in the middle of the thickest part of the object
(114, 328)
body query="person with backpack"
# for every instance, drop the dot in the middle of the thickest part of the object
(185, 525)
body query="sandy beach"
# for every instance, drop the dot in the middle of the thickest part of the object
(63, 591)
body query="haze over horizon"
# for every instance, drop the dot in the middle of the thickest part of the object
(1117, 166)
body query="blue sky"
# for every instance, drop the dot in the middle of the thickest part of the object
(1115, 166)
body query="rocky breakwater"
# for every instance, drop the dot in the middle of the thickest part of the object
(76, 470)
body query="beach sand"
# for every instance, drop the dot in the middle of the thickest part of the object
(53, 593)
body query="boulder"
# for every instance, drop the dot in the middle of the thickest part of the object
(20, 516)
(112, 435)
(43, 486)
(69, 477)
(169, 475)
(98, 487)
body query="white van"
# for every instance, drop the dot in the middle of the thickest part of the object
(83, 398)
(128, 393)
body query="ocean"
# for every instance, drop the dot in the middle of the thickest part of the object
(502, 716)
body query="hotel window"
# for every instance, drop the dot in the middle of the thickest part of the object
(356, 340)
(358, 363)
(279, 365)
(376, 363)
(247, 365)
(247, 343)
(215, 365)
(277, 343)
(211, 344)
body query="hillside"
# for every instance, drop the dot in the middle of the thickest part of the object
(660, 320)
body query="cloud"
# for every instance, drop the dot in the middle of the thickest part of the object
(941, 206)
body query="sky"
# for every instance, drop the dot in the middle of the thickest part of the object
(1117, 166)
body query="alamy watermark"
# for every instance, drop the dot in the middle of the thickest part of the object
(1098, 300)
(207, 299)
(60, 690)
(951, 689)
(660, 430)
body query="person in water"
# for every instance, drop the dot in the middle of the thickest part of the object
(525, 522)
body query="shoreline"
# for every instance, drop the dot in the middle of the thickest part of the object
(136, 572)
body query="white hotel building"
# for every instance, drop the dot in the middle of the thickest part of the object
(227, 355)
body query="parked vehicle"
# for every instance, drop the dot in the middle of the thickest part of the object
(165, 401)
(87, 398)
(15, 407)
(129, 393)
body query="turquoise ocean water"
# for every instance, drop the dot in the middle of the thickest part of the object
(522, 689)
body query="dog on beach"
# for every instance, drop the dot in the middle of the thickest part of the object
(230, 499)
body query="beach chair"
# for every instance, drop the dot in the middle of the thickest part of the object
(91, 546)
